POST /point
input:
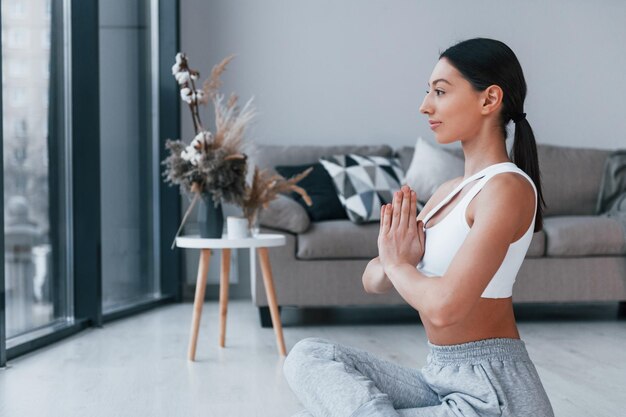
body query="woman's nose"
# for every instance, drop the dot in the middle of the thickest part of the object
(425, 108)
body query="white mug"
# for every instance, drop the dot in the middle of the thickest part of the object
(237, 227)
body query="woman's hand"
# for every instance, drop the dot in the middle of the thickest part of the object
(401, 238)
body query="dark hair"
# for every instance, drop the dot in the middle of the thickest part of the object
(484, 62)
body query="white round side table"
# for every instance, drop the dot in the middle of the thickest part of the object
(261, 242)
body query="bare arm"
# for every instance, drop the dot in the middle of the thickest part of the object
(374, 279)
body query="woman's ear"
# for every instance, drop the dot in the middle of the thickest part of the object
(492, 98)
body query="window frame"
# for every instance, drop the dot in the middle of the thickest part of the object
(3, 353)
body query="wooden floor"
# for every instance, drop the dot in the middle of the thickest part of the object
(138, 366)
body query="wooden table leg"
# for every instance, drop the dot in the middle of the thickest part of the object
(271, 299)
(224, 281)
(203, 269)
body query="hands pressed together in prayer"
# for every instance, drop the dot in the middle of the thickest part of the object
(401, 237)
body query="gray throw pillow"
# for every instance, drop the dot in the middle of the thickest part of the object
(284, 213)
(431, 166)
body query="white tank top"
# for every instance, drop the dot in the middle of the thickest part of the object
(444, 239)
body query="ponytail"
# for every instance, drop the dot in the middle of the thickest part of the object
(524, 155)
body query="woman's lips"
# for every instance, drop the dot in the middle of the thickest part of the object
(434, 126)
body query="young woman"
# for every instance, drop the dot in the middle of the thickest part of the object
(455, 263)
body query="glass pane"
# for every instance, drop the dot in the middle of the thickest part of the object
(126, 164)
(35, 216)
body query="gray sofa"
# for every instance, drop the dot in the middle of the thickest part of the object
(577, 257)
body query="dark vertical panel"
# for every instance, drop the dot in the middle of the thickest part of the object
(56, 167)
(86, 161)
(145, 173)
(169, 126)
(3, 355)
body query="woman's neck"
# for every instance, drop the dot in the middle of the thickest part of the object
(483, 152)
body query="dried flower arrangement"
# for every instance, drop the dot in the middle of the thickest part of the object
(215, 163)
(265, 187)
(211, 163)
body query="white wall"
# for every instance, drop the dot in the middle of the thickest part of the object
(356, 70)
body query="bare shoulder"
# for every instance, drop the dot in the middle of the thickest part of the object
(508, 195)
(511, 187)
(441, 192)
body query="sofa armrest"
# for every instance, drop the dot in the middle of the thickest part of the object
(284, 213)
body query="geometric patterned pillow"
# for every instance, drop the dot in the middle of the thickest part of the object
(364, 183)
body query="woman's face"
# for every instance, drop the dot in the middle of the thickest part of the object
(451, 101)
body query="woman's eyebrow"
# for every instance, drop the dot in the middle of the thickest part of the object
(440, 79)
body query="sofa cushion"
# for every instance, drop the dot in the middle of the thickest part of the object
(320, 188)
(338, 239)
(364, 183)
(583, 236)
(284, 213)
(537, 248)
(342, 239)
(570, 178)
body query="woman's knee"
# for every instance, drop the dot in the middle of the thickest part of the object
(300, 355)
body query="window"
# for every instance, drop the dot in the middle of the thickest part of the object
(17, 98)
(16, 69)
(16, 9)
(17, 37)
(36, 277)
(129, 275)
(19, 127)
(45, 39)
(56, 194)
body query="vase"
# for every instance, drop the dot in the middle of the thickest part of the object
(255, 227)
(210, 217)
(237, 227)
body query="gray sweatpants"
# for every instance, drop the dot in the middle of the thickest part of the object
(490, 377)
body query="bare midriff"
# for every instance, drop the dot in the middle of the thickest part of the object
(490, 318)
